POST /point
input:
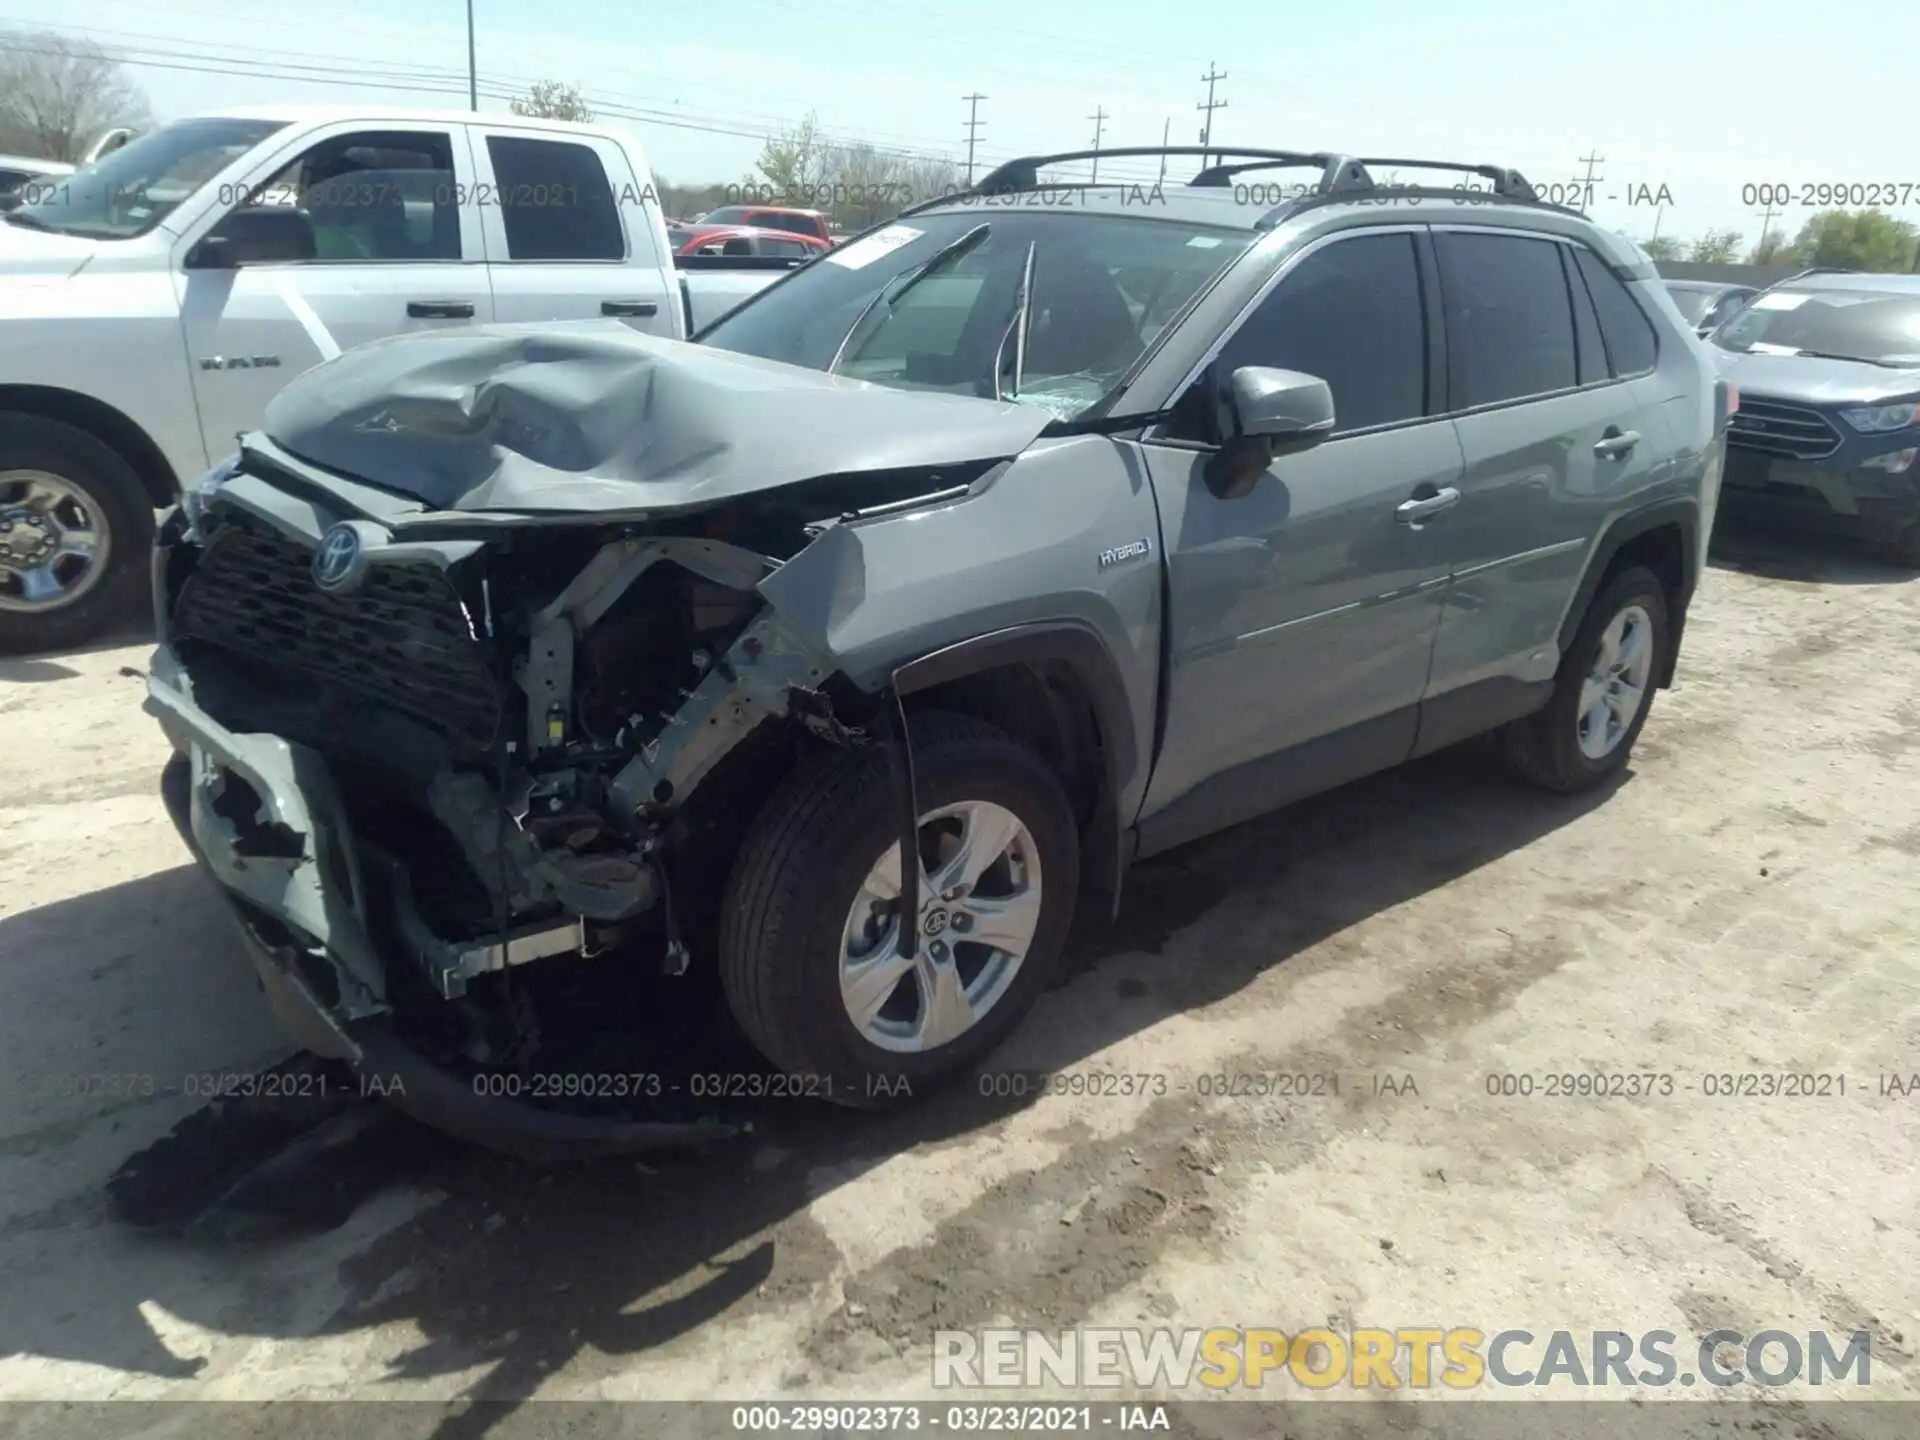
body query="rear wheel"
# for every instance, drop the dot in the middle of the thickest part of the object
(1603, 692)
(76, 531)
(810, 942)
(1905, 548)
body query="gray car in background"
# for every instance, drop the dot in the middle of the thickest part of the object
(1827, 435)
(517, 672)
(1708, 304)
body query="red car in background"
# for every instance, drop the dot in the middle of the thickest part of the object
(701, 238)
(772, 217)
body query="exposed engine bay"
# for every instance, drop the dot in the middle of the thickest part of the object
(545, 747)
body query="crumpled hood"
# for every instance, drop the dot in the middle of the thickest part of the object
(26, 251)
(1813, 380)
(594, 416)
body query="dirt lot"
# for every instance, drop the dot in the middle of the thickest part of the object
(1743, 902)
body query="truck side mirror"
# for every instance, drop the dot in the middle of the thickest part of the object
(256, 235)
(1265, 412)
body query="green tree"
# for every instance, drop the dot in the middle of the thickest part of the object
(1773, 248)
(551, 100)
(1716, 247)
(1856, 240)
(795, 164)
(1661, 247)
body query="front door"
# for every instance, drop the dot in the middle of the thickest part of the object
(397, 248)
(1302, 614)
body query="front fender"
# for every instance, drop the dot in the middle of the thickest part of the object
(1055, 555)
(113, 337)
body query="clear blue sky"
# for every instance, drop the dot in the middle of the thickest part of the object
(1702, 98)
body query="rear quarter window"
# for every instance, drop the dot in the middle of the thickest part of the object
(1632, 347)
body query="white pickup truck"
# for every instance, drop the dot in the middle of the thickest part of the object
(153, 303)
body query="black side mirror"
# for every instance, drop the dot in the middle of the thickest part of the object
(1264, 413)
(256, 235)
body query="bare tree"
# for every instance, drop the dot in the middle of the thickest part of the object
(550, 100)
(57, 95)
(795, 163)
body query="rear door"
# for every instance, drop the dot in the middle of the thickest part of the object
(1550, 380)
(1301, 615)
(397, 248)
(567, 232)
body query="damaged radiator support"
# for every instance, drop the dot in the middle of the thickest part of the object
(753, 680)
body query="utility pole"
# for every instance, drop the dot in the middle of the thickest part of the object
(473, 74)
(1165, 130)
(1206, 129)
(973, 126)
(1766, 224)
(1590, 160)
(1099, 118)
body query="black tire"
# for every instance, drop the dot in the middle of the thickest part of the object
(1544, 748)
(1904, 549)
(802, 866)
(30, 442)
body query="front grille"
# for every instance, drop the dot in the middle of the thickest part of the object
(1782, 428)
(400, 639)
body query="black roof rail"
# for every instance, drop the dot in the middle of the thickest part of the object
(1337, 172)
(1508, 183)
(1024, 173)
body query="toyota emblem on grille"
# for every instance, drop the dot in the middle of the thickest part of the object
(338, 558)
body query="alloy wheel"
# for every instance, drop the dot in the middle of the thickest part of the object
(980, 899)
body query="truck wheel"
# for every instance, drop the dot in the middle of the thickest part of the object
(1603, 693)
(76, 535)
(809, 936)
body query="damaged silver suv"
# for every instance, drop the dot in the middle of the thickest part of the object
(523, 676)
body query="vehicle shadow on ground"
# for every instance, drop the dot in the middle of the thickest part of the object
(525, 1271)
(1772, 551)
(36, 666)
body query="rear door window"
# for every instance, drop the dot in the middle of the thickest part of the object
(1510, 330)
(555, 200)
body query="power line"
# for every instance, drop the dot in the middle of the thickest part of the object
(449, 81)
(973, 126)
(1211, 105)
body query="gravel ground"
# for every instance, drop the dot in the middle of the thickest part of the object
(1742, 902)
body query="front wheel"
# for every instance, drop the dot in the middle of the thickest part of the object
(1603, 692)
(810, 937)
(76, 533)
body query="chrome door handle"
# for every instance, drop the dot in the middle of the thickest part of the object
(1618, 443)
(1412, 512)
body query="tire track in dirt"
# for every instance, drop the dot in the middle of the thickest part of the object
(1047, 1246)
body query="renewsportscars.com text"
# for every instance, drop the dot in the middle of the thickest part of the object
(1415, 1357)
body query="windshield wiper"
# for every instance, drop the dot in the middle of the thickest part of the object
(1016, 328)
(951, 251)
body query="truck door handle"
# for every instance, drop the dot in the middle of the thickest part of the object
(1425, 507)
(440, 309)
(629, 307)
(1616, 442)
